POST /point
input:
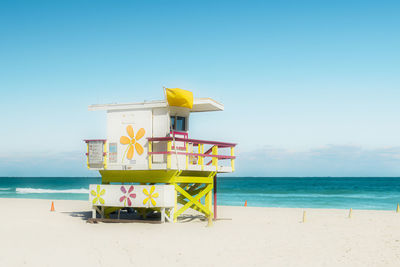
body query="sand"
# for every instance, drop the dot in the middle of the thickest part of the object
(31, 235)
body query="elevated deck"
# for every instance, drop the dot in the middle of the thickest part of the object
(172, 153)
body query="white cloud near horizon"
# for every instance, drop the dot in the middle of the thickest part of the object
(46, 164)
(330, 160)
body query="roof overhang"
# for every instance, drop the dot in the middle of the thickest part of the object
(199, 105)
(206, 104)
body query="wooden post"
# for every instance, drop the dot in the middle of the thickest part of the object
(350, 212)
(304, 216)
(208, 204)
(162, 215)
(215, 197)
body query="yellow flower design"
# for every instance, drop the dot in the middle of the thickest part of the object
(98, 195)
(132, 141)
(150, 196)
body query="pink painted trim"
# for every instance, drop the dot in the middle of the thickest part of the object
(194, 141)
(88, 140)
(185, 135)
(192, 154)
(179, 147)
(209, 150)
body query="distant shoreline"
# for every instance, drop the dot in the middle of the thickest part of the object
(322, 193)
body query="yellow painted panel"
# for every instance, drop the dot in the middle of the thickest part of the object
(191, 179)
(136, 176)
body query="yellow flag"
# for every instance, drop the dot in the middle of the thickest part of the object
(179, 97)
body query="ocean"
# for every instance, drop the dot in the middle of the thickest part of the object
(316, 192)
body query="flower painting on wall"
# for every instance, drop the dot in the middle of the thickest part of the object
(132, 141)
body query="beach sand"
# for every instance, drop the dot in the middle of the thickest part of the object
(31, 235)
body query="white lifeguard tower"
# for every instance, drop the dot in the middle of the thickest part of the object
(149, 155)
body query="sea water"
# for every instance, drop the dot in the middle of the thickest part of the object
(317, 192)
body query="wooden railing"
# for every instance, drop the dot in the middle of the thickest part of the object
(200, 156)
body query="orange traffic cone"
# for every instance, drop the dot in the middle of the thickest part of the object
(52, 206)
(245, 203)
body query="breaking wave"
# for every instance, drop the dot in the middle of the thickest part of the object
(52, 191)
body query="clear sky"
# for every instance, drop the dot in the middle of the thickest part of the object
(310, 88)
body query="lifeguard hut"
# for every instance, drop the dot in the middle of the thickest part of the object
(148, 161)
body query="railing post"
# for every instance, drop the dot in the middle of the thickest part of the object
(169, 149)
(215, 159)
(150, 156)
(201, 158)
(104, 155)
(187, 156)
(233, 160)
(87, 155)
(215, 196)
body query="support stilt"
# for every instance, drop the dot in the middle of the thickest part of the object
(215, 197)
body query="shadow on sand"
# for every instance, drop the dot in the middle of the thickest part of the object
(134, 216)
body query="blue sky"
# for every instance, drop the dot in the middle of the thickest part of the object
(310, 88)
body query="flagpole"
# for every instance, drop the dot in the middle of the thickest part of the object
(171, 129)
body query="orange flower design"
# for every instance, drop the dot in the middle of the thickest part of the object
(131, 141)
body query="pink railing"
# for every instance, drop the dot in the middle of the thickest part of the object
(198, 157)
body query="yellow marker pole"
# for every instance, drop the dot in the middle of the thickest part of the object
(169, 148)
(350, 213)
(398, 208)
(304, 216)
(150, 156)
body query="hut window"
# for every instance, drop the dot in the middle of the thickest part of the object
(178, 123)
